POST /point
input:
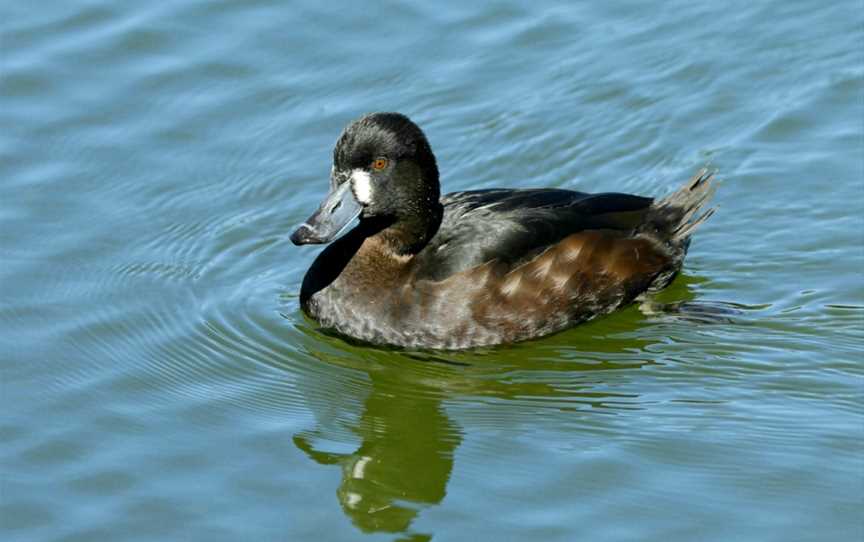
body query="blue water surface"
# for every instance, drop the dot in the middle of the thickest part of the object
(159, 382)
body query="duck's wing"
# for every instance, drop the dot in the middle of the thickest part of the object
(513, 226)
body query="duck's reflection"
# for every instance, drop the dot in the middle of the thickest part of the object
(403, 463)
(407, 440)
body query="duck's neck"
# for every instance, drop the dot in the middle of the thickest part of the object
(419, 211)
(407, 236)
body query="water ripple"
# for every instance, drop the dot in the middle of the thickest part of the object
(160, 381)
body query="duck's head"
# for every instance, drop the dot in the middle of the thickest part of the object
(384, 172)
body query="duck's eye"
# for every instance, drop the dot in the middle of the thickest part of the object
(379, 163)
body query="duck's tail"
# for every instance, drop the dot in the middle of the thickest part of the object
(677, 216)
(673, 219)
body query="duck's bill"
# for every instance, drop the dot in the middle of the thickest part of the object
(339, 208)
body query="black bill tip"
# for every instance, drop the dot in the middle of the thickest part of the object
(305, 235)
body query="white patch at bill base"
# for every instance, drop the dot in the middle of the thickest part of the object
(362, 183)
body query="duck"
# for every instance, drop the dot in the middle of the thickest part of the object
(477, 268)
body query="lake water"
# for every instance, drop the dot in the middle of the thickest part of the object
(160, 383)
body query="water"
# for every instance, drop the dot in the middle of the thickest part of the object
(160, 383)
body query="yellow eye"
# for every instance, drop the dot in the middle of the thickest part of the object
(379, 163)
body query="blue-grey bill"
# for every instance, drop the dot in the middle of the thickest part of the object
(339, 208)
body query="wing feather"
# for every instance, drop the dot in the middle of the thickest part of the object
(513, 226)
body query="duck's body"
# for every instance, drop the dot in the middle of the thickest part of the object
(481, 267)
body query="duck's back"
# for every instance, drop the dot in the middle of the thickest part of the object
(513, 226)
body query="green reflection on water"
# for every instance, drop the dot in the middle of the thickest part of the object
(403, 463)
(407, 441)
